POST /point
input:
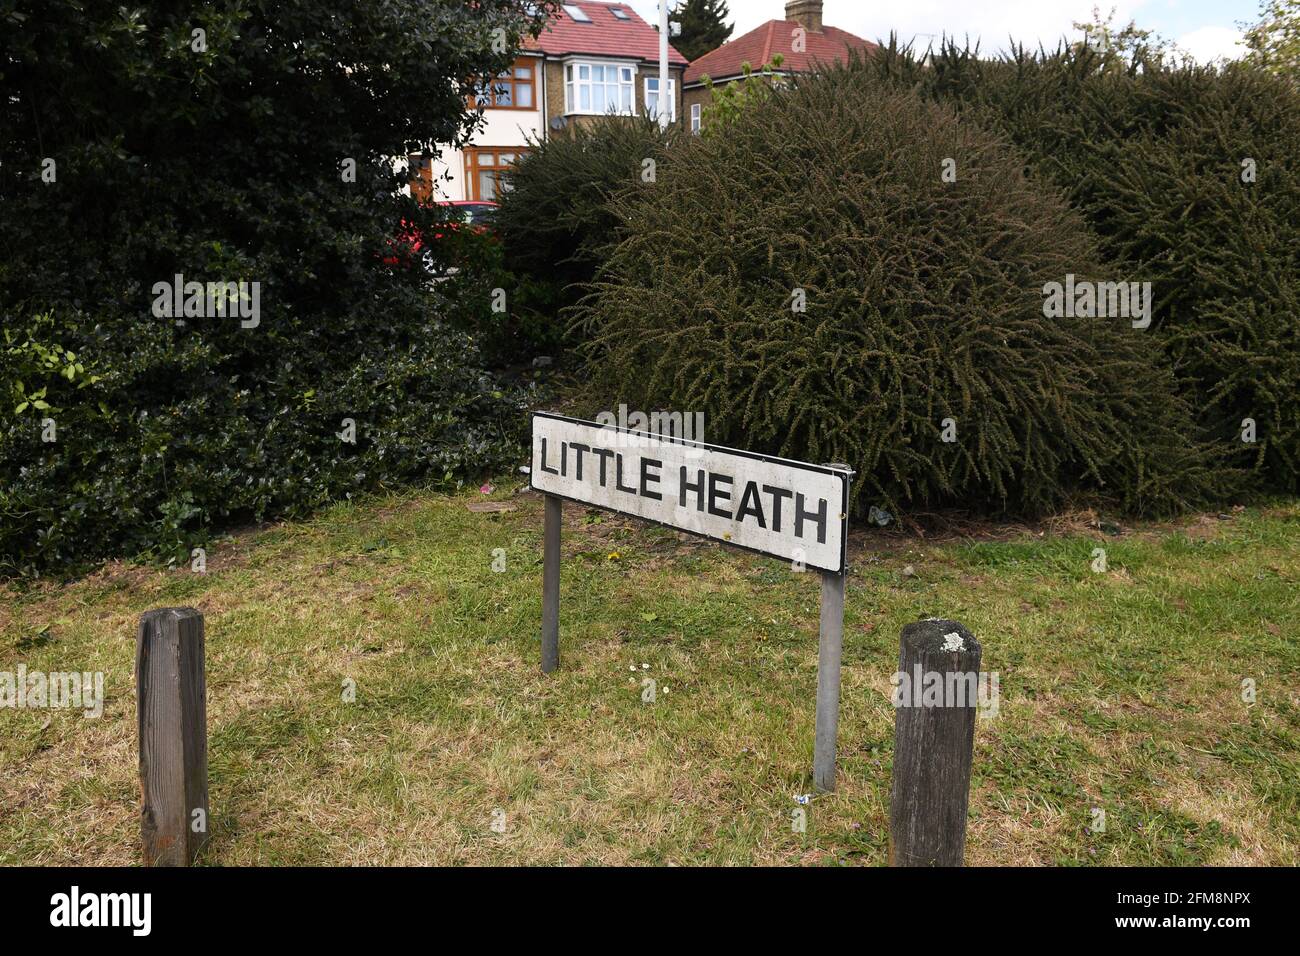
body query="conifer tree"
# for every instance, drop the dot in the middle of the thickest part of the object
(1188, 175)
(819, 287)
(704, 27)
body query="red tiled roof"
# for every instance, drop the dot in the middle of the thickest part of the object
(775, 36)
(605, 35)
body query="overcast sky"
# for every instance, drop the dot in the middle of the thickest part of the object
(1205, 28)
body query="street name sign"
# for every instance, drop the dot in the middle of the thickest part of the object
(785, 509)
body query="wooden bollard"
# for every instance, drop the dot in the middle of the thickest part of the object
(172, 716)
(933, 745)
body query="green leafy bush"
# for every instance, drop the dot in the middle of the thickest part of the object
(555, 219)
(1156, 156)
(133, 150)
(734, 97)
(922, 301)
(171, 439)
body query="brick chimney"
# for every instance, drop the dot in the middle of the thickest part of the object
(808, 14)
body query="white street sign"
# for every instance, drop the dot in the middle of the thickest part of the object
(782, 508)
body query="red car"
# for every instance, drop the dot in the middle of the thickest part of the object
(474, 214)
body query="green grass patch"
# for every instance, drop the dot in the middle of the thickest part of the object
(1121, 693)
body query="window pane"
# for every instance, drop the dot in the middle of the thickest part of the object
(523, 95)
(627, 99)
(584, 98)
(504, 95)
(487, 184)
(584, 71)
(523, 73)
(507, 158)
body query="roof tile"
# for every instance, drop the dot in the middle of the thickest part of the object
(605, 35)
(757, 46)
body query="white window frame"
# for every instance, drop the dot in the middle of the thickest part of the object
(574, 84)
(697, 117)
(672, 96)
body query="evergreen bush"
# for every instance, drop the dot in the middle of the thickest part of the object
(812, 284)
(1190, 176)
(556, 222)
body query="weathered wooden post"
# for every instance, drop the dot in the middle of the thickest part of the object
(171, 713)
(551, 584)
(933, 742)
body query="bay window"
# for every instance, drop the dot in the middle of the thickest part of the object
(598, 88)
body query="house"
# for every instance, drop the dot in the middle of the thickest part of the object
(592, 58)
(801, 39)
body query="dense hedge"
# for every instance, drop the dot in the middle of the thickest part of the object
(172, 438)
(256, 152)
(555, 221)
(1152, 155)
(924, 302)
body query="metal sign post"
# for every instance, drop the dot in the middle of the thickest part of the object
(830, 643)
(774, 506)
(551, 586)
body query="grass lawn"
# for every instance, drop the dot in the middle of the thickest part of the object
(1119, 691)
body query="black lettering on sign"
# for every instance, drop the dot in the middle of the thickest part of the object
(777, 494)
(751, 504)
(618, 476)
(648, 479)
(800, 514)
(544, 468)
(604, 454)
(577, 465)
(715, 494)
(698, 488)
(768, 505)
